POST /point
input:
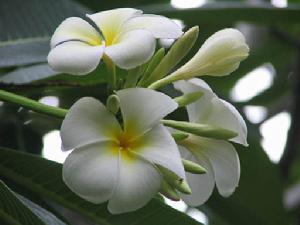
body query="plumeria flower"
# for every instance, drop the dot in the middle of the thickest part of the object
(126, 37)
(114, 162)
(218, 157)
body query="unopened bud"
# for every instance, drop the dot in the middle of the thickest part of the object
(113, 103)
(193, 167)
(188, 98)
(168, 191)
(179, 136)
(204, 130)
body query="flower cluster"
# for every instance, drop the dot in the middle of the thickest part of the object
(125, 152)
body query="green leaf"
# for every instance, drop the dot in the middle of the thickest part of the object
(28, 74)
(13, 211)
(26, 28)
(43, 177)
(230, 12)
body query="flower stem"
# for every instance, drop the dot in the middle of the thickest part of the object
(111, 68)
(32, 104)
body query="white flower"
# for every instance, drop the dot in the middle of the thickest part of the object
(114, 164)
(128, 39)
(217, 156)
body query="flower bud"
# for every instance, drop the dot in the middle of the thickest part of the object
(220, 55)
(188, 98)
(113, 103)
(203, 130)
(193, 167)
(168, 191)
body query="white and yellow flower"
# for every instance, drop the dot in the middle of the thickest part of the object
(218, 157)
(127, 38)
(116, 164)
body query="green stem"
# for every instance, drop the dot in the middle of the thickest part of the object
(112, 70)
(32, 104)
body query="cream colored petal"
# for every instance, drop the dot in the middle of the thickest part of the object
(158, 147)
(225, 162)
(159, 26)
(212, 110)
(143, 109)
(88, 121)
(75, 28)
(110, 21)
(138, 182)
(75, 57)
(131, 49)
(92, 171)
(202, 185)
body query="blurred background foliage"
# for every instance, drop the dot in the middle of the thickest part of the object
(265, 89)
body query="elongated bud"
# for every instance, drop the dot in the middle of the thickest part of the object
(113, 103)
(220, 55)
(179, 136)
(182, 186)
(176, 53)
(204, 130)
(168, 191)
(188, 98)
(192, 167)
(174, 181)
(156, 59)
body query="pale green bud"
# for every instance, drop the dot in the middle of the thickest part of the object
(168, 191)
(113, 103)
(188, 98)
(179, 136)
(204, 130)
(176, 53)
(192, 167)
(174, 181)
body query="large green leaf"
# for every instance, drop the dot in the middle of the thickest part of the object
(229, 12)
(13, 211)
(43, 177)
(26, 27)
(28, 74)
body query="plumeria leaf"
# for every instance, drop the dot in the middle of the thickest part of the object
(28, 74)
(43, 177)
(11, 206)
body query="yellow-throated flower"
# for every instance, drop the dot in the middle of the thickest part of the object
(127, 38)
(218, 157)
(118, 163)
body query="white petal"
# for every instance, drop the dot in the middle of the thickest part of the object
(200, 110)
(132, 49)
(92, 171)
(138, 182)
(225, 163)
(88, 121)
(75, 57)
(159, 26)
(231, 119)
(75, 28)
(212, 110)
(202, 185)
(110, 21)
(143, 108)
(159, 147)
